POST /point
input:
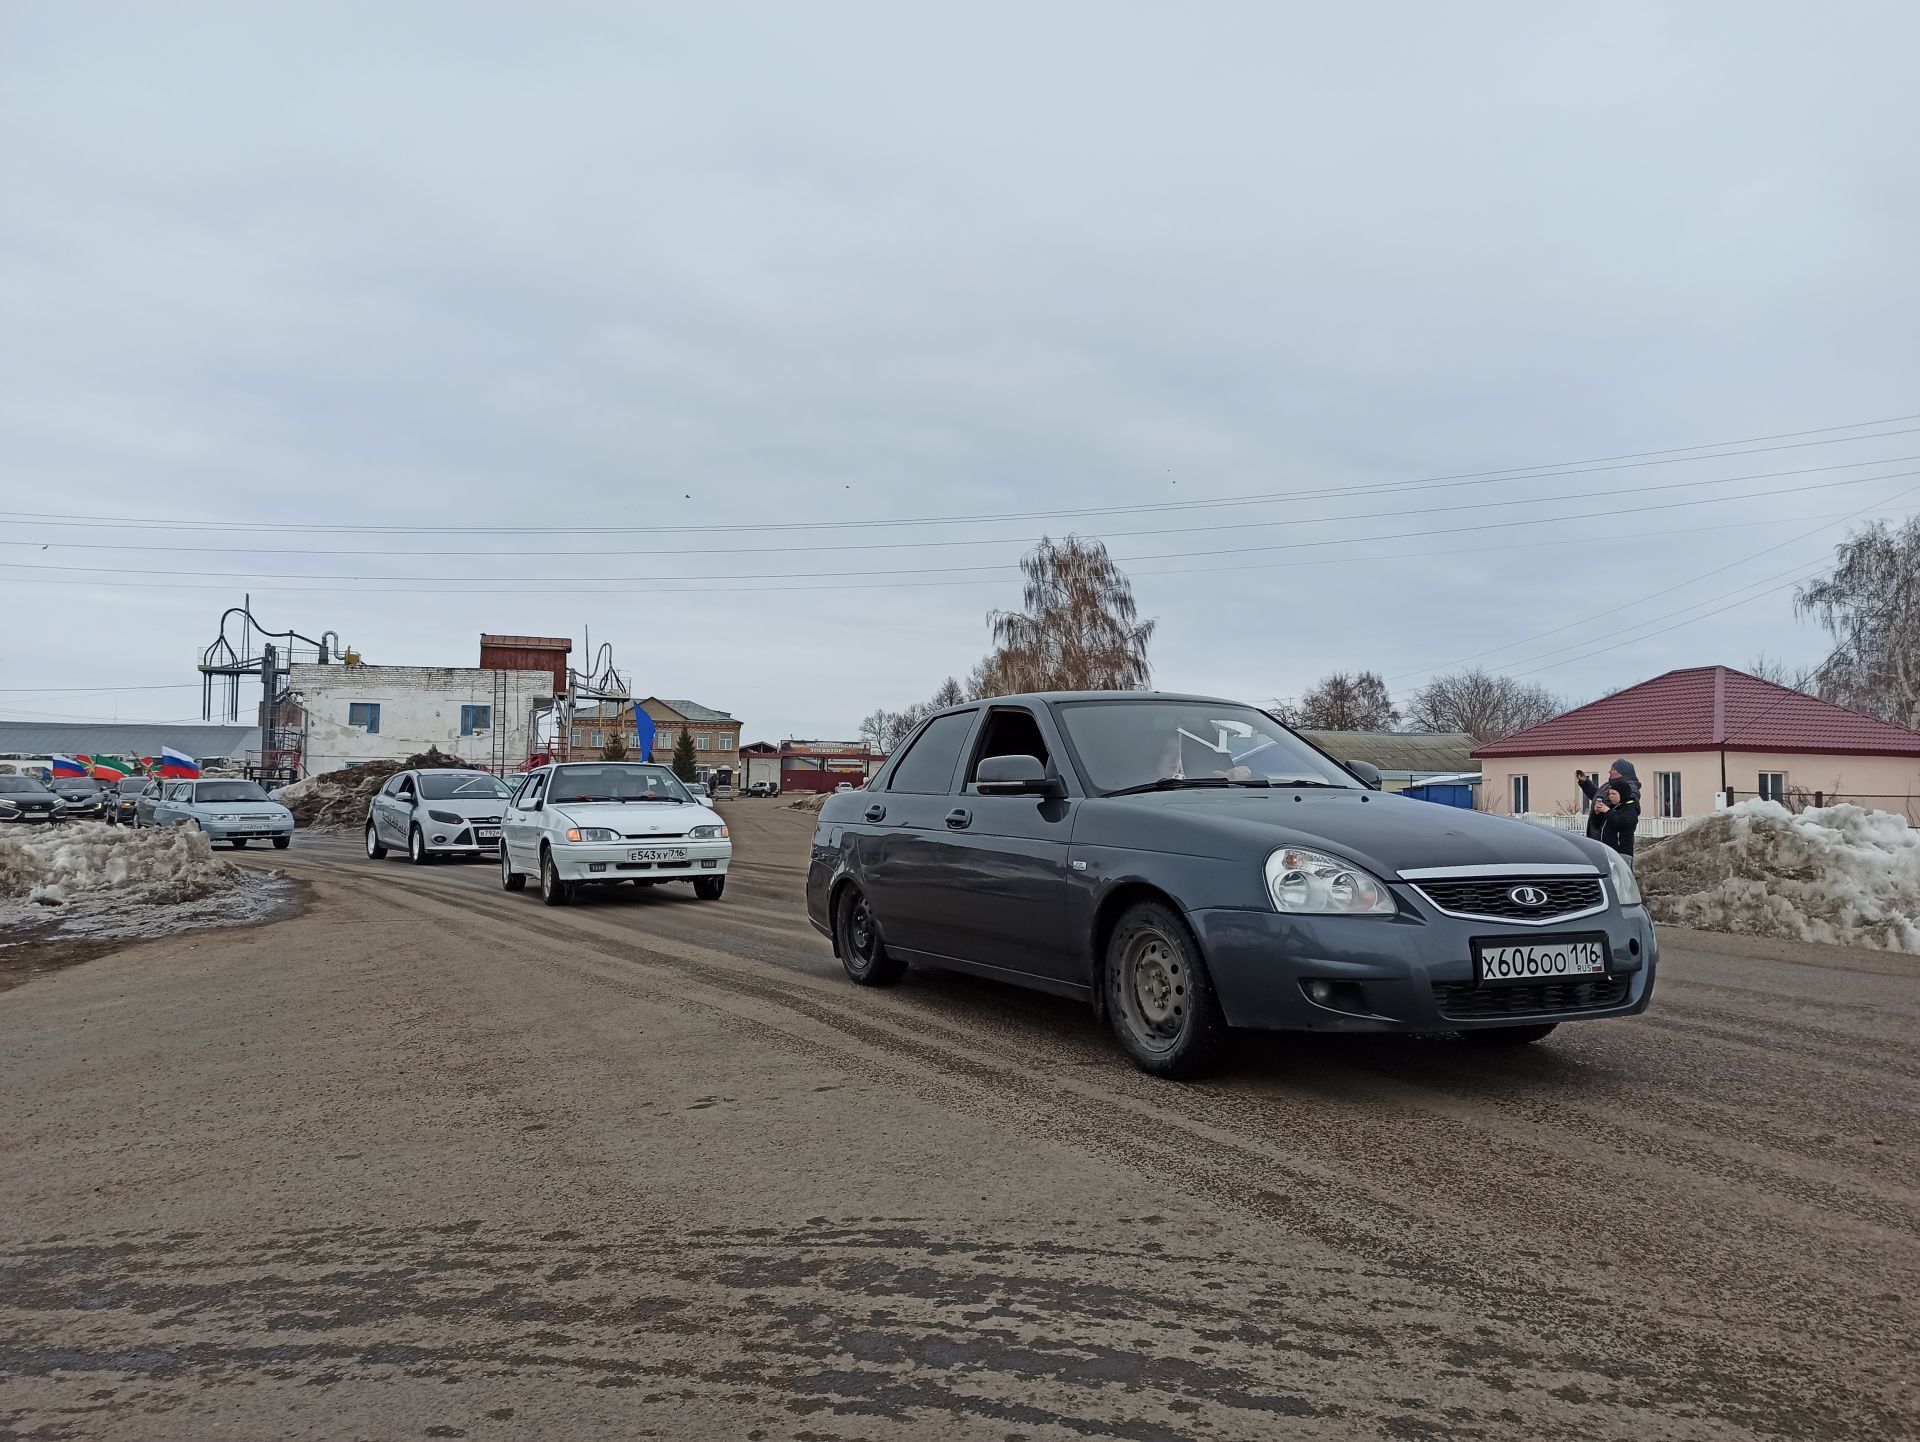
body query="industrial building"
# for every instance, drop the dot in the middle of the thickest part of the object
(30, 746)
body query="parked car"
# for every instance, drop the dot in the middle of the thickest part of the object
(124, 801)
(227, 810)
(85, 798)
(1190, 865)
(593, 823)
(697, 790)
(28, 800)
(437, 813)
(763, 788)
(722, 792)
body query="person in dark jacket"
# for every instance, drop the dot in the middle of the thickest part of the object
(1619, 810)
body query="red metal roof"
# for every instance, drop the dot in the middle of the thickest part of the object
(1708, 708)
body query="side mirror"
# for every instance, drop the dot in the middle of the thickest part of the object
(1016, 776)
(1368, 773)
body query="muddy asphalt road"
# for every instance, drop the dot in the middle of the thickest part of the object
(430, 1160)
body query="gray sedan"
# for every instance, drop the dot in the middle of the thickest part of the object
(1189, 865)
(86, 799)
(232, 811)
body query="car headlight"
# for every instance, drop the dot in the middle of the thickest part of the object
(447, 817)
(1625, 885)
(7, 808)
(707, 833)
(1311, 882)
(591, 833)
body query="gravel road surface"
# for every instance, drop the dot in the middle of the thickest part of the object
(431, 1160)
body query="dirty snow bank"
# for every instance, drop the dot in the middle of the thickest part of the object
(338, 799)
(85, 878)
(1833, 874)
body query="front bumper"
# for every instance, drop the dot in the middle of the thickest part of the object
(30, 818)
(611, 861)
(245, 830)
(463, 838)
(1409, 973)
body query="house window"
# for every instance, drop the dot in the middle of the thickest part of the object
(475, 718)
(1773, 786)
(365, 715)
(703, 741)
(599, 738)
(1669, 784)
(1518, 794)
(663, 738)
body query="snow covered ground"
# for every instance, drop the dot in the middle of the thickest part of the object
(88, 879)
(1836, 874)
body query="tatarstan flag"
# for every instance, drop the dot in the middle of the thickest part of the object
(110, 769)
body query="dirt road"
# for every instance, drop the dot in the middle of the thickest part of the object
(434, 1161)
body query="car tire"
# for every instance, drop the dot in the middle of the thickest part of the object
(553, 891)
(863, 953)
(709, 888)
(375, 851)
(510, 880)
(281, 843)
(1159, 997)
(239, 843)
(417, 851)
(1509, 1035)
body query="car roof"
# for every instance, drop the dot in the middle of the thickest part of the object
(1054, 698)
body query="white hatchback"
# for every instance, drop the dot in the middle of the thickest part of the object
(590, 823)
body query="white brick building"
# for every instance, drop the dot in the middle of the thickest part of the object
(374, 713)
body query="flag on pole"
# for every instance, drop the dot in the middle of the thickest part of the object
(66, 766)
(642, 733)
(177, 765)
(110, 769)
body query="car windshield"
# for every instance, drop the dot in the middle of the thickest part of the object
(461, 786)
(133, 786)
(22, 783)
(1123, 745)
(228, 791)
(613, 782)
(75, 785)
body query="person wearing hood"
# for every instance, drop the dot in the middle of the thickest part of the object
(1617, 808)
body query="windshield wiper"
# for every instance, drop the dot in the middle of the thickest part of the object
(1176, 783)
(1324, 785)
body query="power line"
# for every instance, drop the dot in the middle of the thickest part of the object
(1666, 591)
(450, 585)
(1546, 471)
(86, 690)
(810, 548)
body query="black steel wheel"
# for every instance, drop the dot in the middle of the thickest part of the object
(1160, 1000)
(553, 890)
(281, 843)
(862, 952)
(709, 888)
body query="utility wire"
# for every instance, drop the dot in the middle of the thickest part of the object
(1544, 472)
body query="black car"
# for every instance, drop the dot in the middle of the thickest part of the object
(86, 799)
(1190, 865)
(27, 800)
(123, 802)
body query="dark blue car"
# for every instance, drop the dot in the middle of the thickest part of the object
(1188, 865)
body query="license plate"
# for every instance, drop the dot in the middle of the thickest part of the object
(1539, 960)
(658, 853)
(487, 833)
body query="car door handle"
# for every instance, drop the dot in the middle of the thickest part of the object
(959, 819)
(876, 813)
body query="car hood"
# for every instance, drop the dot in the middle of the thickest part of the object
(640, 818)
(272, 810)
(1387, 834)
(469, 805)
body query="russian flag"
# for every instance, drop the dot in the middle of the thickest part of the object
(178, 765)
(67, 766)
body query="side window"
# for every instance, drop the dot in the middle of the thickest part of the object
(405, 790)
(531, 790)
(927, 768)
(1773, 786)
(1008, 732)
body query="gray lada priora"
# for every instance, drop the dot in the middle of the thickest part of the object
(1190, 865)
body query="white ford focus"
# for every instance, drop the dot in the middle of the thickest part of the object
(598, 822)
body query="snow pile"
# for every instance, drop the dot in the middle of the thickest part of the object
(808, 800)
(72, 862)
(339, 798)
(1834, 874)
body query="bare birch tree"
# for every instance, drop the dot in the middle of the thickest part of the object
(1870, 604)
(1079, 631)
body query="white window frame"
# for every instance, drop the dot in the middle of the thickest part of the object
(1762, 792)
(599, 739)
(1668, 788)
(1519, 792)
(703, 741)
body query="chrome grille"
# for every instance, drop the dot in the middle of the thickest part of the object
(1491, 898)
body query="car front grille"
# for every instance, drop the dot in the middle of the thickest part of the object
(1491, 897)
(656, 836)
(1463, 1001)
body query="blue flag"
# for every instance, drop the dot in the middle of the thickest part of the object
(642, 733)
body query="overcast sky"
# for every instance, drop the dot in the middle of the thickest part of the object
(719, 267)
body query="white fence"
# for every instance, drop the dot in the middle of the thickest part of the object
(1650, 828)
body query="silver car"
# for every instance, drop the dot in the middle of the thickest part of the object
(436, 813)
(232, 811)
